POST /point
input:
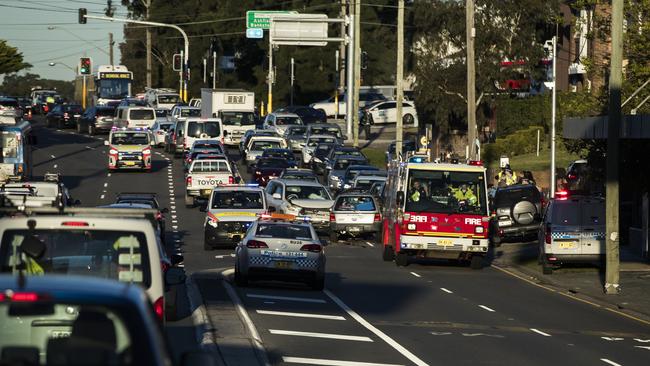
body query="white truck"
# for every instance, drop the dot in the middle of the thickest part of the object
(205, 174)
(235, 108)
(162, 98)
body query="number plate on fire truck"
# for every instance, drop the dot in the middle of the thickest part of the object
(445, 242)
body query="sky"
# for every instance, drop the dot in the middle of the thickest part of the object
(24, 24)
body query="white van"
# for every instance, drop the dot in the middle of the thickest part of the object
(199, 128)
(132, 117)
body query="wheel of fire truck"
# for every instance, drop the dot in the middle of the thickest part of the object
(388, 254)
(401, 259)
(476, 262)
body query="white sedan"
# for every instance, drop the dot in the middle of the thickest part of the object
(277, 249)
(386, 112)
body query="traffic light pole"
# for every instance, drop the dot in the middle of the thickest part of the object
(186, 69)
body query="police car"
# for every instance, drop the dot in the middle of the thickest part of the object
(231, 210)
(281, 247)
(129, 148)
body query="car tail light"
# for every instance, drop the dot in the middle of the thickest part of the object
(314, 248)
(74, 223)
(188, 181)
(24, 297)
(231, 180)
(164, 266)
(377, 217)
(66, 115)
(45, 108)
(571, 176)
(561, 195)
(159, 308)
(547, 234)
(256, 244)
(257, 172)
(159, 216)
(332, 217)
(476, 162)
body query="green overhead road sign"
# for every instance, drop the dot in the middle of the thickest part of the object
(261, 19)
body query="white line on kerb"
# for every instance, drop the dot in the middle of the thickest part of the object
(540, 332)
(415, 274)
(105, 184)
(371, 244)
(324, 362)
(108, 175)
(53, 157)
(286, 298)
(301, 315)
(56, 166)
(447, 291)
(486, 308)
(391, 342)
(342, 337)
(610, 362)
(101, 197)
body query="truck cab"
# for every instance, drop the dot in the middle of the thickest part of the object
(234, 107)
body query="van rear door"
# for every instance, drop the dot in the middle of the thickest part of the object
(593, 227)
(565, 228)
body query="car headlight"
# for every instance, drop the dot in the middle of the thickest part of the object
(410, 226)
(334, 178)
(479, 230)
(211, 222)
(346, 186)
(317, 160)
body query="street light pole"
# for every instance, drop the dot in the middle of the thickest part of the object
(471, 79)
(186, 70)
(399, 76)
(62, 64)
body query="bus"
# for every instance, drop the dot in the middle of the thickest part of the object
(109, 85)
(16, 158)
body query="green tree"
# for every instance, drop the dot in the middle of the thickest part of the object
(20, 85)
(10, 59)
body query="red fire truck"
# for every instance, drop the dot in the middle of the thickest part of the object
(436, 210)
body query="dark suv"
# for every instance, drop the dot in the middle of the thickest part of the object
(516, 212)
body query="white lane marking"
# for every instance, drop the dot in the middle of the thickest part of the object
(610, 362)
(325, 362)
(300, 315)
(174, 216)
(286, 298)
(101, 197)
(540, 332)
(173, 207)
(612, 339)
(219, 256)
(171, 191)
(174, 221)
(109, 174)
(53, 157)
(416, 275)
(91, 148)
(642, 340)
(56, 166)
(233, 255)
(269, 302)
(447, 291)
(643, 347)
(343, 337)
(486, 308)
(105, 185)
(371, 244)
(175, 227)
(173, 211)
(391, 342)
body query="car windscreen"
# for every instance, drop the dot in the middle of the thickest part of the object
(281, 121)
(272, 163)
(280, 231)
(593, 213)
(355, 203)
(263, 145)
(238, 118)
(300, 131)
(112, 254)
(566, 213)
(210, 166)
(365, 182)
(300, 176)
(190, 112)
(307, 193)
(141, 114)
(165, 126)
(105, 112)
(196, 129)
(350, 152)
(75, 109)
(442, 191)
(509, 197)
(278, 154)
(315, 141)
(169, 99)
(129, 138)
(208, 148)
(323, 130)
(237, 199)
(352, 173)
(342, 164)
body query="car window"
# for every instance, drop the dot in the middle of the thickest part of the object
(141, 114)
(96, 253)
(237, 199)
(203, 166)
(196, 129)
(593, 213)
(283, 231)
(186, 112)
(509, 197)
(355, 203)
(272, 163)
(565, 213)
(308, 192)
(129, 138)
(263, 145)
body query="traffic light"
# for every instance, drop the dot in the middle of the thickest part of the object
(85, 66)
(177, 62)
(82, 15)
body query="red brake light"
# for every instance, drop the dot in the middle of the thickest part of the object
(256, 244)
(571, 176)
(547, 234)
(159, 308)
(231, 180)
(66, 115)
(561, 195)
(159, 216)
(74, 223)
(314, 248)
(24, 297)
(188, 181)
(164, 266)
(377, 217)
(332, 217)
(476, 162)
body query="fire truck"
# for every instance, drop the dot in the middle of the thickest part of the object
(435, 210)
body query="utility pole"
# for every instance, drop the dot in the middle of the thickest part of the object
(270, 77)
(147, 5)
(350, 76)
(399, 78)
(613, 130)
(110, 48)
(341, 58)
(357, 72)
(553, 117)
(205, 70)
(471, 78)
(214, 69)
(292, 78)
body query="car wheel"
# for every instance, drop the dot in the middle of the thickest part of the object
(207, 246)
(547, 269)
(476, 262)
(408, 119)
(189, 201)
(388, 254)
(240, 279)
(318, 283)
(334, 237)
(401, 259)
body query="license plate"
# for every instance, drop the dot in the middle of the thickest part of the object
(505, 223)
(353, 229)
(206, 192)
(130, 163)
(282, 264)
(445, 242)
(60, 334)
(567, 244)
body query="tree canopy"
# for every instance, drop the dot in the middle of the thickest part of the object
(10, 59)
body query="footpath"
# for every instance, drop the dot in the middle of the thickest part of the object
(584, 282)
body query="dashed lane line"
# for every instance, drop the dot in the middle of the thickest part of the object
(610, 362)
(486, 308)
(383, 336)
(342, 337)
(287, 298)
(447, 291)
(370, 244)
(325, 362)
(101, 197)
(540, 332)
(300, 315)
(415, 274)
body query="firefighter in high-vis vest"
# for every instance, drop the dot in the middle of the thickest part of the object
(417, 192)
(507, 176)
(465, 194)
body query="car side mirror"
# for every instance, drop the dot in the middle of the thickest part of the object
(277, 196)
(176, 259)
(225, 133)
(174, 276)
(400, 198)
(106, 143)
(344, 137)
